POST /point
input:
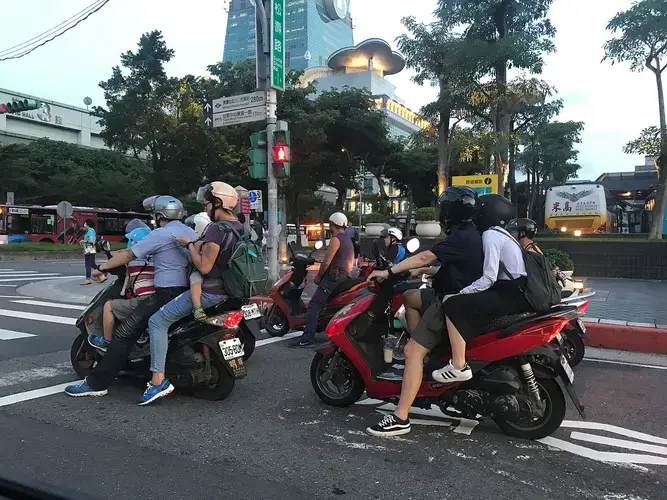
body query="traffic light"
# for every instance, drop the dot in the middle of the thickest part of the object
(257, 155)
(281, 154)
(19, 105)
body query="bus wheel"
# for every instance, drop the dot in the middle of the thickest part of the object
(46, 240)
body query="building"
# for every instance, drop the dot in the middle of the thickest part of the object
(313, 28)
(53, 120)
(366, 65)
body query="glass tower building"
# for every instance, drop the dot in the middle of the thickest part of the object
(314, 30)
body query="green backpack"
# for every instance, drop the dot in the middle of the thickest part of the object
(245, 275)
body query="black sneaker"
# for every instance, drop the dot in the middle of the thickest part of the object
(390, 425)
(300, 342)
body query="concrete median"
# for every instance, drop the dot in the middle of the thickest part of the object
(624, 336)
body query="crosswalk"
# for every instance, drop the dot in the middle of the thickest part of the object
(42, 312)
(19, 277)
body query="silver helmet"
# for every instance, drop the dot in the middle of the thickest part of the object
(167, 207)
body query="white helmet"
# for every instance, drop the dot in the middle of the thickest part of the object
(220, 190)
(396, 233)
(201, 222)
(339, 219)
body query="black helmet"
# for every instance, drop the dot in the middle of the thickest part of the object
(495, 210)
(524, 227)
(457, 205)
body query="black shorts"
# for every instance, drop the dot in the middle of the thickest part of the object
(431, 329)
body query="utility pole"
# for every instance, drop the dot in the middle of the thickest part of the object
(272, 242)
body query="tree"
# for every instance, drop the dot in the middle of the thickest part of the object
(501, 34)
(642, 41)
(436, 56)
(648, 144)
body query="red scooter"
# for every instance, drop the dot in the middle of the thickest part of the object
(515, 373)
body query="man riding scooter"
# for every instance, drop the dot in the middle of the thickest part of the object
(171, 279)
(393, 240)
(335, 268)
(461, 259)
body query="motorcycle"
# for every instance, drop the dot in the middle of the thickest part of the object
(203, 358)
(515, 374)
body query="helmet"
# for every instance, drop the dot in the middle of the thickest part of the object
(167, 207)
(339, 219)
(201, 221)
(222, 191)
(135, 224)
(457, 205)
(524, 227)
(136, 235)
(395, 232)
(384, 233)
(495, 210)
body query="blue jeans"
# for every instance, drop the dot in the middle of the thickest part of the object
(158, 325)
(317, 304)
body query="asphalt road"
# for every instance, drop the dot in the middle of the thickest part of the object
(273, 438)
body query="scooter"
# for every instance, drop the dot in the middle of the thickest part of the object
(514, 373)
(204, 359)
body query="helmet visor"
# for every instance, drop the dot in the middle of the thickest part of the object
(149, 204)
(204, 194)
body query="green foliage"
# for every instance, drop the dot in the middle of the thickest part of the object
(648, 143)
(46, 172)
(425, 214)
(375, 217)
(559, 259)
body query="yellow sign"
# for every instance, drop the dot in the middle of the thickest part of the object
(483, 184)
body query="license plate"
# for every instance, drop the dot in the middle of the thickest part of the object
(238, 367)
(231, 349)
(581, 325)
(560, 339)
(566, 366)
(250, 311)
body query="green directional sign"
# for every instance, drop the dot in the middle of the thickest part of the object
(278, 44)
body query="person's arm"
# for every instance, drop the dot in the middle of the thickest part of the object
(204, 260)
(119, 258)
(422, 259)
(334, 245)
(428, 271)
(492, 247)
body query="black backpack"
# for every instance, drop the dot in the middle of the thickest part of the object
(542, 290)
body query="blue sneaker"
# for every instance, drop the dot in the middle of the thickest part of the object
(83, 389)
(99, 342)
(154, 392)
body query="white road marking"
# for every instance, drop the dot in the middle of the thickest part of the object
(49, 391)
(42, 278)
(6, 271)
(654, 367)
(37, 317)
(14, 297)
(576, 424)
(603, 456)
(11, 275)
(11, 335)
(619, 443)
(59, 305)
(24, 376)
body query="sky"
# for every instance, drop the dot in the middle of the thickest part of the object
(614, 103)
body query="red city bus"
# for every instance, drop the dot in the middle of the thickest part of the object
(19, 224)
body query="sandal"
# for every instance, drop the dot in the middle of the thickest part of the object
(199, 314)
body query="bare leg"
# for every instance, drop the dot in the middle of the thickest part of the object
(195, 293)
(413, 303)
(412, 377)
(109, 321)
(458, 345)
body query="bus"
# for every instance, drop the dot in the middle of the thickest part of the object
(34, 223)
(579, 209)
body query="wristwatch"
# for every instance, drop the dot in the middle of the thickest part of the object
(390, 272)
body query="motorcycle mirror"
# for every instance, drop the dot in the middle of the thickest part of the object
(413, 245)
(319, 245)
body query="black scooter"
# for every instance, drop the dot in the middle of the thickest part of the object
(204, 359)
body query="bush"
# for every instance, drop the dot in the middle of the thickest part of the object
(425, 214)
(374, 217)
(353, 218)
(559, 259)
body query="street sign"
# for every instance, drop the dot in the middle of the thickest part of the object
(208, 114)
(239, 116)
(277, 55)
(65, 209)
(482, 184)
(241, 101)
(256, 202)
(244, 203)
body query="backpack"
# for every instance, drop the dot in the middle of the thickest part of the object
(245, 273)
(542, 290)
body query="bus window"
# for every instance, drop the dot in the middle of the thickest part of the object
(111, 226)
(101, 225)
(43, 224)
(2, 223)
(18, 224)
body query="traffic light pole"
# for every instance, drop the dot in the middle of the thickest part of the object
(272, 241)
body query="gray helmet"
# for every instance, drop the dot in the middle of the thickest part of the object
(166, 207)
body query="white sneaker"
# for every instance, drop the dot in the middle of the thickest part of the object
(450, 375)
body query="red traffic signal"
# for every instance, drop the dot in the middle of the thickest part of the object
(3, 108)
(280, 154)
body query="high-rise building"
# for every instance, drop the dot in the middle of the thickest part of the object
(314, 29)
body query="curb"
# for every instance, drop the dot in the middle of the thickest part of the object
(627, 336)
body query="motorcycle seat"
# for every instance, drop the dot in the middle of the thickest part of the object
(511, 324)
(505, 321)
(346, 285)
(407, 285)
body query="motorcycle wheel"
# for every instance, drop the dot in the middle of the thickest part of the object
(349, 386)
(248, 341)
(554, 413)
(573, 345)
(276, 323)
(83, 359)
(221, 384)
